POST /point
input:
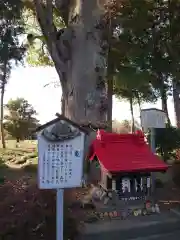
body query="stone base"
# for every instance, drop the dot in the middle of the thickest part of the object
(142, 227)
(114, 208)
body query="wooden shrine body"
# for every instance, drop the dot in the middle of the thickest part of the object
(127, 186)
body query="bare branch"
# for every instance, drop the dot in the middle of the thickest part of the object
(63, 8)
(49, 11)
(49, 18)
(45, 19)
(43, 47)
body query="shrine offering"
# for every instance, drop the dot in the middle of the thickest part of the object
(149, 209)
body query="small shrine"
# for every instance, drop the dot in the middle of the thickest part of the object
(122, 166)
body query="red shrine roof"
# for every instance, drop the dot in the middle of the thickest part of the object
(125, 153)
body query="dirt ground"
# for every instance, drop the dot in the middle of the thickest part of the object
(168, 196)
(28, 213)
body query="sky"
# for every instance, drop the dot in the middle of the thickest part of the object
(28, 82)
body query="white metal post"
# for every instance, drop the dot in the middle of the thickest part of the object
(59, 214)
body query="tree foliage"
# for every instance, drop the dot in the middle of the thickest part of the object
(148, 46)
(38, 53)
(11, 26)
(20, 118)
(134, 77)
(124, 126)
(167, 141)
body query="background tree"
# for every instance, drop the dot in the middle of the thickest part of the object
(173, 51)
(11, 27)
(20, 120)
(142, 31)
(125, 126)
(134, 86)
(167, 142)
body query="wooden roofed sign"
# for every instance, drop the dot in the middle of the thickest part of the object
(61, 152)
(60, 160)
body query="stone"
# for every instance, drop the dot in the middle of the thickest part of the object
(106, 200)
(92, 219)
(76, 205)
(104, 194)
(89, 206)
(95, 193)
(153, 209)
(157, 208)
(87, 202)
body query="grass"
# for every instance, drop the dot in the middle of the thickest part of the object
(27, 144)
(18, 161)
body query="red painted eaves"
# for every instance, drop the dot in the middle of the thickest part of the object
(125, 153)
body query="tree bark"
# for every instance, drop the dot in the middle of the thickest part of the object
(85, 90)
(2, 117)
(139, 104)
(110, 102)
(132, 116)
(164, 105)
(3, 84)
(176, 97)
(79, 55)
(110, 71)
(62, 105)
(165, 109)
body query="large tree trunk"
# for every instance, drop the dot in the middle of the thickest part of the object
(110, 103)
(165, 109)
(85, 90)
(139, 104)
(176, 97)
(3, 84)
(2, 116)
(79, 53)
(164, 104)
(62, 105)
(132, 116)
(110, 72)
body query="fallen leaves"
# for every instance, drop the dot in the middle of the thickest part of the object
(28, 213)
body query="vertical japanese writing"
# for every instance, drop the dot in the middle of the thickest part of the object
(126, 186)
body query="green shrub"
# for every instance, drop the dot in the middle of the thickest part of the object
(167, 141)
